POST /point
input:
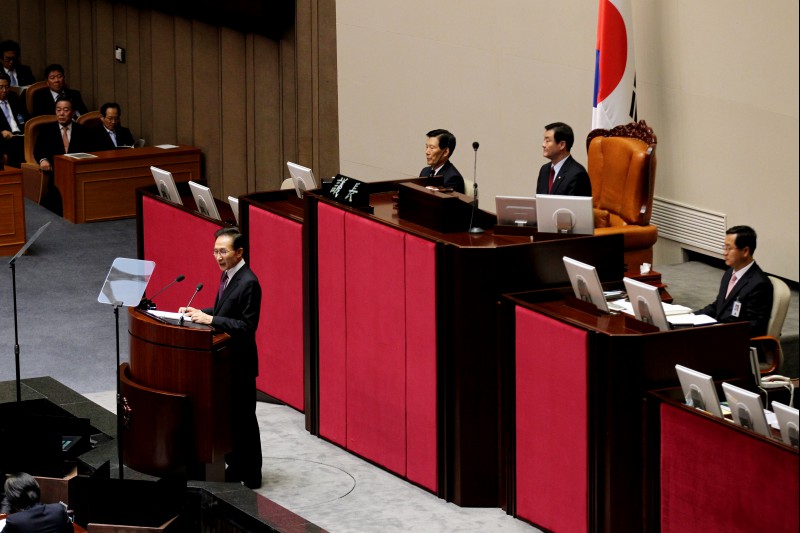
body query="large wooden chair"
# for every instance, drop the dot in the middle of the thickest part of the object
(622, 168)
(34, 181)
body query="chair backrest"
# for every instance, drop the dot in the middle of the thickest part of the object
(622, 169)
(287, 184)
(469, 187)
(29, 92)
(90, 119)
(780, 305)
(32, 128)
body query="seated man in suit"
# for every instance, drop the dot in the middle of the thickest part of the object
(27, 514)
(44, 100)
(12, 122)
(745, 292)
(110, 134)
(20, 75)
(438, 150)
(58, 138)
(563, 175)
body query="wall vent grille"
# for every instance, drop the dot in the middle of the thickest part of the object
(689, 225)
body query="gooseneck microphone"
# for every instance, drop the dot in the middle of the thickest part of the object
(474, 229)
(147, 303)
(198, 289)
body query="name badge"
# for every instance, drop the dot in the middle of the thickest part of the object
(737, 308)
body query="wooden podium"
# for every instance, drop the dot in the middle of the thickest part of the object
(187, 360)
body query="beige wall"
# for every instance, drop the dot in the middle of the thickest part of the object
(717, 81)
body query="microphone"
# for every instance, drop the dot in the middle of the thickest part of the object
(147, 303)
(198, 289)
(474, 229)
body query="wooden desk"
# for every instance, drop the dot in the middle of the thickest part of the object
(402, 336)
(12, 212)
(104, 187)
(712, 475)
(574, 382)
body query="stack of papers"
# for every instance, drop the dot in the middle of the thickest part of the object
(677, 315)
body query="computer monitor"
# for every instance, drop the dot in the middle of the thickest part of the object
(302, 177)
(646, 303)
(789, 422)
(166, 185)
(699, 390)
(515, 210)
(746, 409)
(565, 214)
(234, 202)
(204, 200)
(586, 283)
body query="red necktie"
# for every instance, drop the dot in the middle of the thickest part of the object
(65, 139)
(551, 179)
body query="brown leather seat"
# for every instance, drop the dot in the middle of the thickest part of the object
(90, 119)
(34, 181)
(31, 90)
(622, 168)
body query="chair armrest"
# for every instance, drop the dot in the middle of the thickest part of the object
(770, 353)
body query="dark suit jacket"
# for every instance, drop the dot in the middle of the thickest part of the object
(572, 179)
(42, 518)
(17, 109)
(44, 103)
(237, 314)
(101, 140)
(753, 291)
(49, 143)
(24, 75)
(15, 147)
(451, 176)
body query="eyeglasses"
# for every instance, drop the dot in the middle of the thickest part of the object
(111, 119)
(222, 251)
(8, 59)
(4, 87)
(727, 248)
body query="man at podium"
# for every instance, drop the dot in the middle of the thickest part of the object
(236, 312)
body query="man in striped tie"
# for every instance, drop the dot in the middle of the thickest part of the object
(745, 292)
(58, 138)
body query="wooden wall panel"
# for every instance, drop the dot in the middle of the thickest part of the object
(249, 102)
(267, 115)
(232, 94)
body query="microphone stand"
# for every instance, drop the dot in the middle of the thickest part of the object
(121, 404)
(474, 229)
(13, 266)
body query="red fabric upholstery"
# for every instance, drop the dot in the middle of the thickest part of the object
(551, 423)
(714, 478)
(377, 336)
(332, 324)
(420, 269)
(179, 243)
(376, 351)
(276, 257)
